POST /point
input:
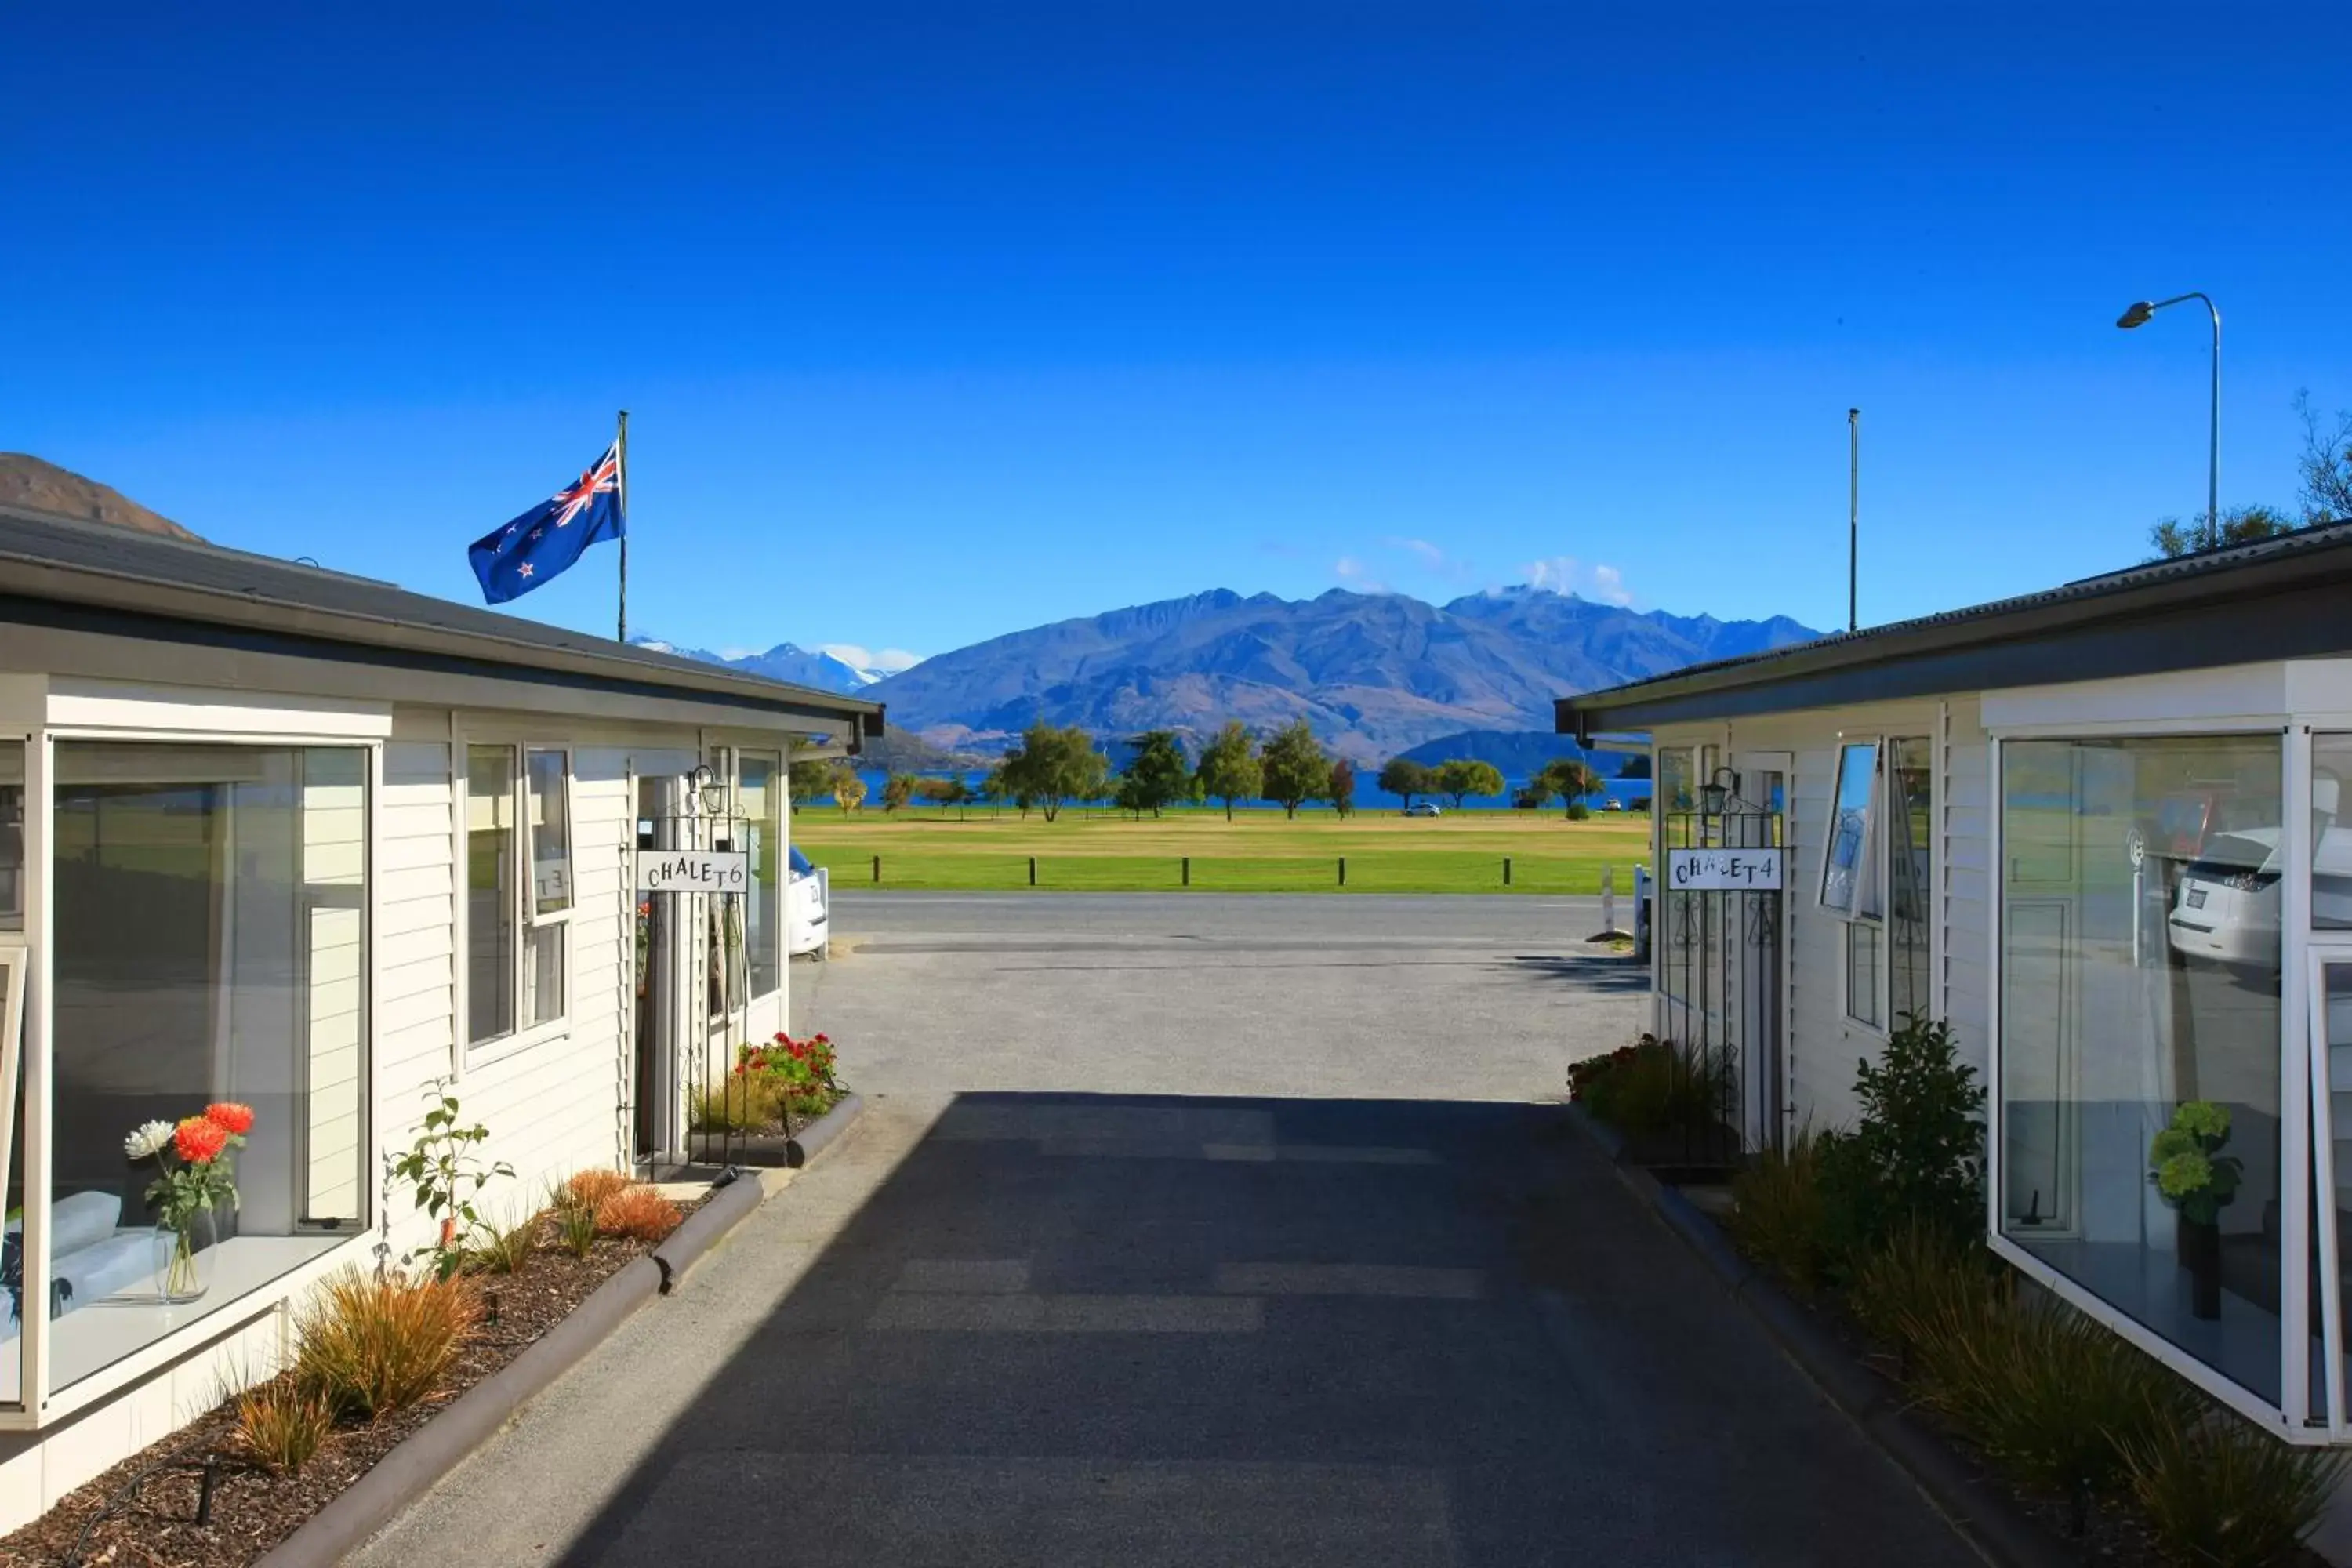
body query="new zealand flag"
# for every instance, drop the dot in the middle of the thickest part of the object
(544, 540)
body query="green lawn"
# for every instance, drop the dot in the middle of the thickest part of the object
(1258, 851)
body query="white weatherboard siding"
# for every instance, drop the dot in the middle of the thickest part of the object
(1824, 1047)
(558, 1104)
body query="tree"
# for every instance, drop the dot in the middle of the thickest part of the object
(2326, 464)
(992, 789)
(1570, 779)
(1229, 770)
(942, 793)
(2171, 538)
(1051, 767)
(1157, 777)
(1637, 766)
(897, 790)
(808, 779)
(848, 789)
(1343, 786)
(1404, 776)
(1530, 795)
(1458, 778)
(1296, 769)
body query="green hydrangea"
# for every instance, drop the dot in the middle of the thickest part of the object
(2172, 1141)
(2184, 1175)
(2204, 1120)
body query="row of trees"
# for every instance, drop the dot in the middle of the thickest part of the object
(1053, 767)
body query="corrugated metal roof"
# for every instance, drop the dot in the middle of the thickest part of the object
(2095, 596)
(69, 560)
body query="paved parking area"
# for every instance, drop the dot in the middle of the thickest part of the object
(1193, 1236)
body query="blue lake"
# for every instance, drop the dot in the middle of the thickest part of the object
(1368, 797)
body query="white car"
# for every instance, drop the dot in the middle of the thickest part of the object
(2227, 906)
(1423, 808)
(805, 898)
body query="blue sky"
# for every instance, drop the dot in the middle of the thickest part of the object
(937, 322)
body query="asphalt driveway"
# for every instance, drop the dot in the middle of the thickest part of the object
(1070, 1295)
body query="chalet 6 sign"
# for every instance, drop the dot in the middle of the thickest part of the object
(1714, 870)
(694, 871)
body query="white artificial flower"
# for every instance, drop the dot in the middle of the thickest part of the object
(147, 1139)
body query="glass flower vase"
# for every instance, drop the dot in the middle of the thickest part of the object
(184, 1256)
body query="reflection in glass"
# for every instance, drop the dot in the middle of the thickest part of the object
(763, 830)
(1847, 886)
(1674, 795)
(489, 892)
(209, 908)
(11, 835)
(1910, 872)
(2140, 975)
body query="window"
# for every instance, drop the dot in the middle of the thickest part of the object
(209, 907)
(1876, 876)
(515, 928)
(763, 806)
(2139, 974)
(12, 836)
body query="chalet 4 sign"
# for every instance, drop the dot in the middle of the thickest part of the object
(1724, 871)
(694, 871)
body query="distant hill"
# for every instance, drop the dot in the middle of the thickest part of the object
(783, 662)
(40, 485)
(1375, 674)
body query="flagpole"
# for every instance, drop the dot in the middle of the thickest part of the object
(622, 481)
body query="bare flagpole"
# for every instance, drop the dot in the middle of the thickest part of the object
(1852, 514)
(621, 446)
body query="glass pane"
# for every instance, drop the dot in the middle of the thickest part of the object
(2140, 994)
(2331, 833)
(12, 1176)
(1845, 865)
(1863, 942)
(762, 825)
(1674, 794)
(209, 947)
(542, 974)
(550, 835)
(489, 892)
(1910, 870)
(12, 836)
(2336, 1026)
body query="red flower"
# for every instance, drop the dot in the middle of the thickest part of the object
(200, 1140)
(234, 1118)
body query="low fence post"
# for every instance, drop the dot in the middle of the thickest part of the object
(1343, 870)
(1188, 870)
(1033, 870)
(877, 869)
(1506, 870)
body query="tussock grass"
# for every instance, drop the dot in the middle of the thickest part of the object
(372, 1345)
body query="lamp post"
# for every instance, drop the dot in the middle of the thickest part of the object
(2138, 316)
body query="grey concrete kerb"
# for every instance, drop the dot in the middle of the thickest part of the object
(2001, 1531)
(438, 1447)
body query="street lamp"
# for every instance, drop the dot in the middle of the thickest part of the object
(2139, 316)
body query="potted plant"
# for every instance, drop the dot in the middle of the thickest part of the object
(197, 1177)
(2197, 1179)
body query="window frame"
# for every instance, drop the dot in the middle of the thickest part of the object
(521, 1033)
(1869, 882)
(779, 761)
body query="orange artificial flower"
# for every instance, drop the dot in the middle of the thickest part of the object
(232, 1117)
(199, 1140)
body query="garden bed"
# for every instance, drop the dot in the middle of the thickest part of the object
(144, 1510)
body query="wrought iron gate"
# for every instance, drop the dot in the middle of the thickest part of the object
(1721, 998)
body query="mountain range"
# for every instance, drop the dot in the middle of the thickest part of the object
(802, 666)
(1374, 674)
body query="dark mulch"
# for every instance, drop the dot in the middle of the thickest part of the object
(148, 1502)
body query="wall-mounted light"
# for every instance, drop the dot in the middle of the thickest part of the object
(1717, 793)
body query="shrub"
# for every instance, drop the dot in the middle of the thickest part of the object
(743, 1104)
(797, 1074)
(1654, 1085)
(504, 1249)
(372, 1345)
(1776, 1216)
(1578, 811)
(575, 1228)
(2054, 1399)
(1917, 1153)
(638, 1213)
(588, 1189)
(282, 1422)
(2219, 1493)
(1924, 1282)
